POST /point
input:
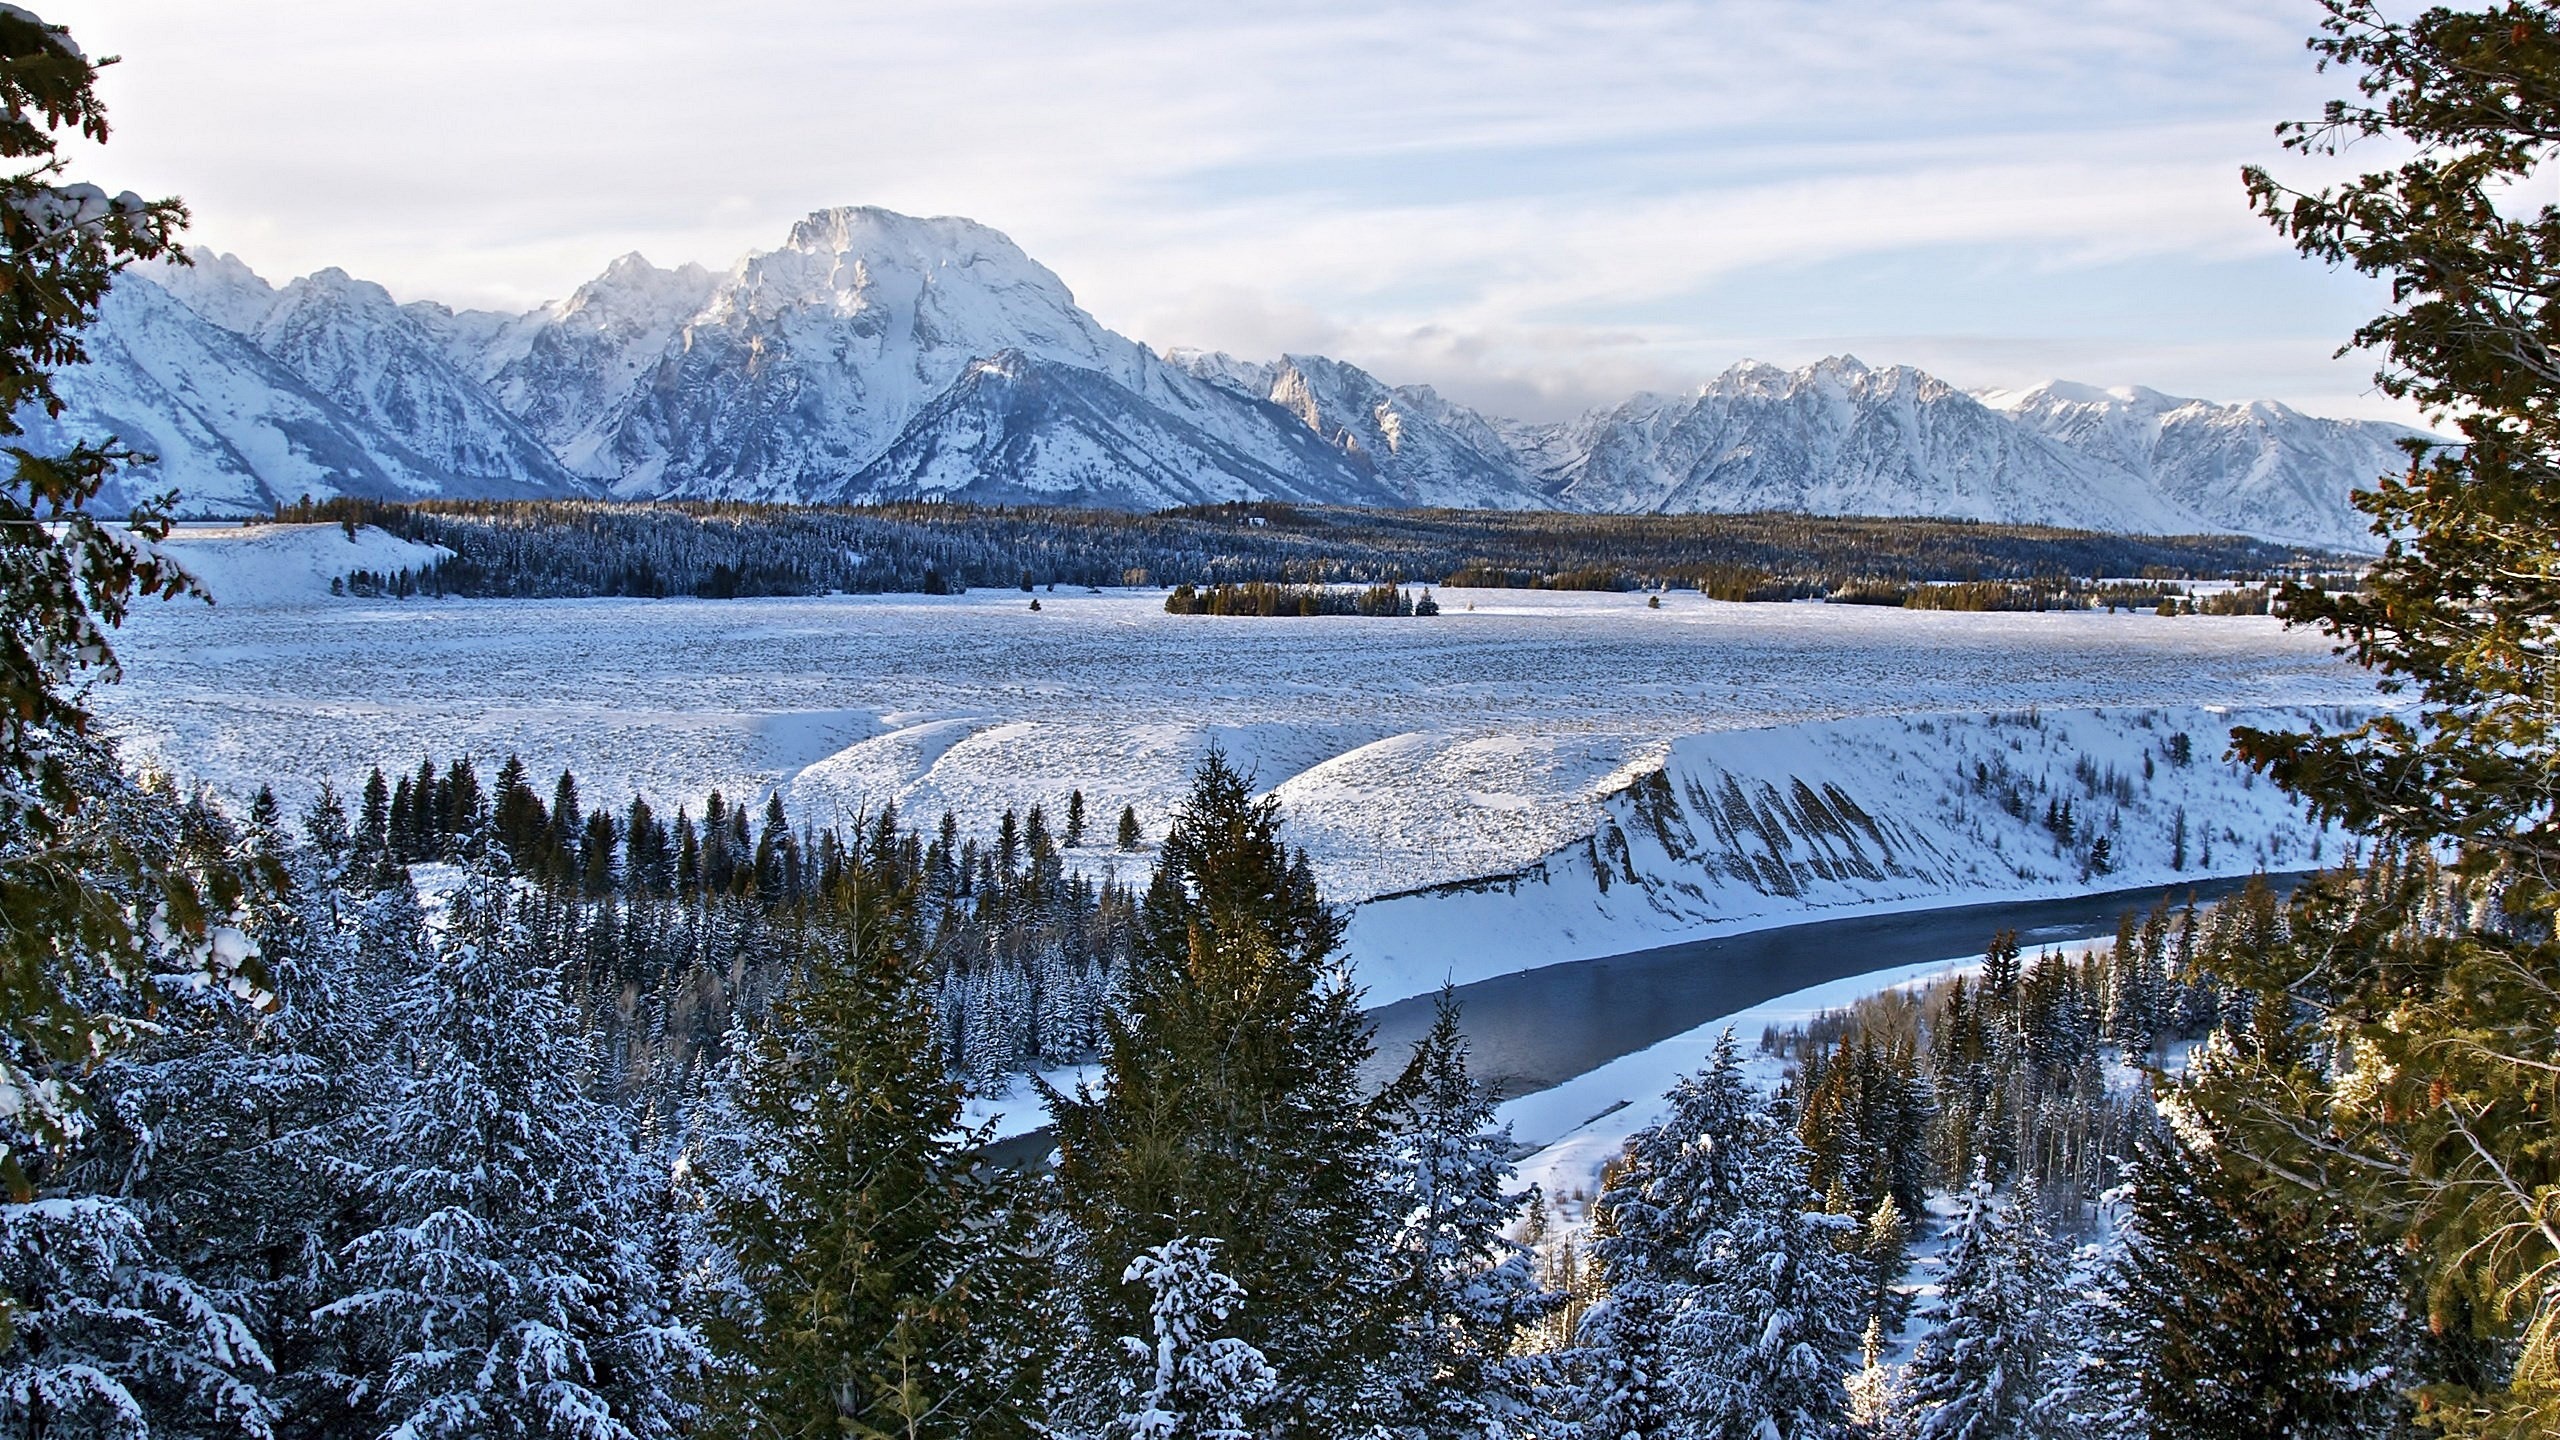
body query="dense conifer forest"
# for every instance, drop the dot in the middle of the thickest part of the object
(664, 926)
(459, 1110)
(550, 550)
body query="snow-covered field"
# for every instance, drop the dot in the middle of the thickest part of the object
(266, 566)
(1515, 728)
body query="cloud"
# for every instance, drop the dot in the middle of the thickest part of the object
(1533, 201)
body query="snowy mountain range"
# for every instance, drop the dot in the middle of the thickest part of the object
(876, 356)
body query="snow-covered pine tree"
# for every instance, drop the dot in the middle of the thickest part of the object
(1468, 1292)
(229, 1129)
(1680, 1179)
(2092, 1390)
(1186, 1382)
(505, 1285)
(2239, 1311)
(1233, 1110)
(1876, 1410)
(1983, 1367)
(1621, 1366)
(81, 897)
(109, 1339)
(2134, 987)
(1774, 1319)
(875, 1276)
(1884, 1251)
(102, 1328)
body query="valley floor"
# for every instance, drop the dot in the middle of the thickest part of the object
(1409, 752)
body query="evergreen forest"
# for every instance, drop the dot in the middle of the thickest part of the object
(536, 549)
(459, 1108)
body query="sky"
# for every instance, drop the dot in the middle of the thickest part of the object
(1535, 207)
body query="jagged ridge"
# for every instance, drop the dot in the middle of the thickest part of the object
(877, 355)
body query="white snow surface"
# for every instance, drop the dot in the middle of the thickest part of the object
(1737, 829)
(287, 565)
(1510, 740)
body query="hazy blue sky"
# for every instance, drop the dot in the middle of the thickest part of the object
(1534, 206)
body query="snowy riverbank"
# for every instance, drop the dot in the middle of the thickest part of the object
(1746, 829)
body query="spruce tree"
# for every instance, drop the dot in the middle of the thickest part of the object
(1984, 1365)
(1232, 1110)
(1877, 1410)
(75, 953)
(230, 1130)
(1622, 1384)
(1186, 1383)
(1680, 1179)
(111, 1339)
(879, 1279)
(505, 1281)
(1884, 1251)
(2433, 1117)
(1468, 1293)
(2242, 1311)
(1776, 1312)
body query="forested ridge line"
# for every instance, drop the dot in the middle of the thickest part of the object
(564, 549)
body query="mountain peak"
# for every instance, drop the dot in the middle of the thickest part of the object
(221, 288)
(879, 354)
(629, 267)
(870, 231)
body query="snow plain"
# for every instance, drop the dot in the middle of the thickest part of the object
(1517, 729)
(266, 566)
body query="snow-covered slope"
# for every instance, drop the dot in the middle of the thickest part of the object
(565, 368)
(1750, 827)
(263, 565)
(2259, 468)
(1425, 450)
(221, 288)
(231, 429)
(1015, 429)
(875, 354)
(347, 339)
(1839, 438)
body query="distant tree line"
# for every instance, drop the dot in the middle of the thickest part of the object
(530, 549)
(1256, 597)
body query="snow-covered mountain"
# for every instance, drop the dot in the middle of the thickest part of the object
(874, 355)
(1839, 438)
(565, 368)
(1018, 429)
(247, 395)
(2260, 468)
(232, 429)
(1424, 449)
(347, 339)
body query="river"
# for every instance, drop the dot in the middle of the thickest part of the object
(1538, 1028)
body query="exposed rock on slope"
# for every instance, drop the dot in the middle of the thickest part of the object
(875, 355)
(2260, 469)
